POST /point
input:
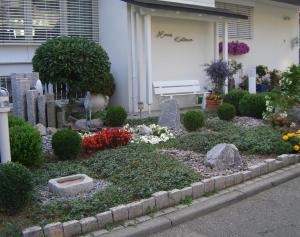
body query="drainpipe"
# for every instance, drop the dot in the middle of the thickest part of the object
(133, 61)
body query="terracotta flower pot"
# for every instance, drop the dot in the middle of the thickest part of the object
(213, 104)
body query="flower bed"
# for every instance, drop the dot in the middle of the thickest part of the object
(293, 139)
(106, 138)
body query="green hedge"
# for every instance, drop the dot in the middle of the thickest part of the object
(253, 105)
(234, 97)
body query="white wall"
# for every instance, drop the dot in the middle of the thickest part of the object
(16, 59)
(184, 60)
(271, 44)
(114, 35)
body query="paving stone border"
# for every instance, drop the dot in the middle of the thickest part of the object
(162, 201)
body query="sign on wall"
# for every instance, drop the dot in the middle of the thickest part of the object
(205, 3)
(178, 39)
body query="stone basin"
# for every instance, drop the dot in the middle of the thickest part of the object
(71, 185)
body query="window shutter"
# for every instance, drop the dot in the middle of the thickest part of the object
(35, 21)
(238, 29)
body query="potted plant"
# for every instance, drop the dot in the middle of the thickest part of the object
(217, 71)
(81, 64)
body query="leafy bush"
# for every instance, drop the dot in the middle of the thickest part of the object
(15, 187)
(25, 142)
(234, 97)
(66, 144)
(80, 63)
(253, 105)
(193, 120)
(262, 70)
(226, 112)
(116, 116)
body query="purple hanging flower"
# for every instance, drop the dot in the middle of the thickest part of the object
(235, 48)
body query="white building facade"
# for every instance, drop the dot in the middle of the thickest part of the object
(151, 40)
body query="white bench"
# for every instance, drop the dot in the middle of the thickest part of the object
(179, 88)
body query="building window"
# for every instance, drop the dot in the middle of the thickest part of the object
(35, 21)
(238, 29)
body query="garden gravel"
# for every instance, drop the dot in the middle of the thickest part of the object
(46, 197)
(196, 161)
(244, 122)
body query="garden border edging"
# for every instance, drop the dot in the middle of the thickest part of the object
(162, 200)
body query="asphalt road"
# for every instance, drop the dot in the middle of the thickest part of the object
(273, 213)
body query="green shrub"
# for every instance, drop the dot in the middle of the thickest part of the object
(253, 105)
(234, 97)
(15, 121)
(193, 120)
(66, 144)
(116, 116)
(226, 112)
(15, 187)
(80, 63)
(25, 142)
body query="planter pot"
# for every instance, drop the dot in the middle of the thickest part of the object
(213, 104)
(99, 102)
(262, 88)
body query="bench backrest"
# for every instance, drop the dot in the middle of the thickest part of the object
(176, 87)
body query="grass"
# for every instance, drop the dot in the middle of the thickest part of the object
(134, 171)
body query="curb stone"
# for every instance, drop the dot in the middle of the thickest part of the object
(163, 199)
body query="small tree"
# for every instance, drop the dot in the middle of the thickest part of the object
(218, 71)
(80, 63)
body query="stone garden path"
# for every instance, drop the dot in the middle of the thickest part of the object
(273, 213)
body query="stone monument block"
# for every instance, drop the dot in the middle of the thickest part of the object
(31, 98)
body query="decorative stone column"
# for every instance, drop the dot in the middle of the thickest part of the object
(41, 103)
(51, 113)
(31, 98)
(20, 84)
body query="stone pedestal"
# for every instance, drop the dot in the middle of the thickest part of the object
(31, 99)
(41, 103)
(20, 84)
(51, 113)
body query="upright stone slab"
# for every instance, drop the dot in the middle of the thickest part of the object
(51, 113)
(20, 84)
(170, 114)
(41, 104)
(31, 99)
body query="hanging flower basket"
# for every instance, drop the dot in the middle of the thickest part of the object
(235, 48)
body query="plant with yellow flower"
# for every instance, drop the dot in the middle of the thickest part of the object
(294, 140)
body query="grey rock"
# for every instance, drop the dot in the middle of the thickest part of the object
(161, 199)
(294, 114)
(54, 230)
(72, 228)
(120, 213)
(51, 113)
(88, 224)
(170, 114)
(35, 231)
(41, 104)
(51, 131)
(104, 218)
(94, 123)
(31, 100)
(223, 156)
(144, 131)
(42, 129)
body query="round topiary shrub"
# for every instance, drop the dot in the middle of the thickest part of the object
(234, 97)
(116, 116)
(15, 187)
(226, 112)
(80, 63)
(25, 143)
(66, 144)
(14, 121)
(253, 105)
(193, 120)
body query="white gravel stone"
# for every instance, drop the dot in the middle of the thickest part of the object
(120, 213)
(54, 230)
(161, 199)
(209, 185)
(247, 175)
(104, 218)
(219, 183)
(198, 189)
(186, 192)
(175, 197)
(135, 209)
(89, 224)
(72, 228)
(271, 164)
(148, 205)
(35, 231)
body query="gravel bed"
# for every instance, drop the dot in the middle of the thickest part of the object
(245, 122)
(46, 144)
(196, 161)
(46, 197)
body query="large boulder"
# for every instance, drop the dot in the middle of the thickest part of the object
(223, 156)
(94, 123)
